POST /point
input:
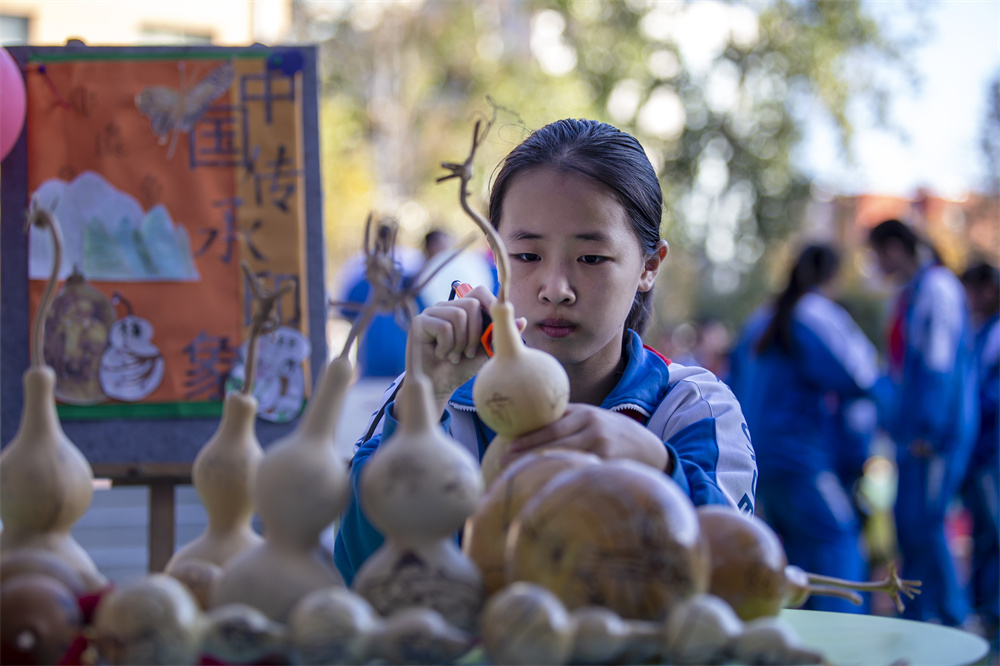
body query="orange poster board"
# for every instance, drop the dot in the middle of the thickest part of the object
(166, 170)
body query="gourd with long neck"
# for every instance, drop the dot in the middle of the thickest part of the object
(300, 488)
(519, 389)
(418, 489)
(225, 468)
(302, 484)
(46, 484)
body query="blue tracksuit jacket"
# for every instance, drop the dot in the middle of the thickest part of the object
(785, 396)
(987, 355)
(796, 406)
(981, 492)
(696, 414)
(930, 394)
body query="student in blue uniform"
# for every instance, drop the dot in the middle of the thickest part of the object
(578, 205)
(930, 410)
(797, 362)
(981, 492)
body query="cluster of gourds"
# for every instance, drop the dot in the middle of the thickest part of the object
(565, 558)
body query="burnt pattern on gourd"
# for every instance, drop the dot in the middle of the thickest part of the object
(615, 534)
(418, 581)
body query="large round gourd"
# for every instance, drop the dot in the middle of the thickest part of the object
(485, 536)
(618, 534)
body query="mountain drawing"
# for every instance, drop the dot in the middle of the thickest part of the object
(108, 236)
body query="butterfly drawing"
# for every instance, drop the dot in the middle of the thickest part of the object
(172, 111)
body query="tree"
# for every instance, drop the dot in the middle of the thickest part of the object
(710, 88)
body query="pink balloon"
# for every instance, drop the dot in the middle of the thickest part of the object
(12, 102)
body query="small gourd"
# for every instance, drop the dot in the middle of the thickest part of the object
(46, 484)
(333, 626)
(527, 624)
(418, 489)
(200, 577)
(301, 487)
(700, 631)
(239, 634)
(41, 620)
(600, 636)
(226, 466)
(337, 626)
(153, 620)
(420, 636)
(518, 390)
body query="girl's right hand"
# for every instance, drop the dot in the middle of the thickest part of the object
(446, 339)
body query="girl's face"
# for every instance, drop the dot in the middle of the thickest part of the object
(576, 265)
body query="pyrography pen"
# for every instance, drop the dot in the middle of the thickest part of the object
(459, 289)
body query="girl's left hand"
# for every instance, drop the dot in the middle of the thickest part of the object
(599, 431)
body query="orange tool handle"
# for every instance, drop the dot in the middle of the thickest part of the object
(461, 289)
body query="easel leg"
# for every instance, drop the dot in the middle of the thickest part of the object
(161, 524)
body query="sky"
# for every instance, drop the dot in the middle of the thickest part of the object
(943, 118)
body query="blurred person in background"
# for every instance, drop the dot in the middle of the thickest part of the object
(382, 345)
(470, 266)
(796, 362)
(929, 406)
(981, 491)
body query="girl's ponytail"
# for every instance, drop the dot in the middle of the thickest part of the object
(816, 265)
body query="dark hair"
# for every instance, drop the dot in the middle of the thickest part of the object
(981, 274)
(433, 236)
(605, 155)
(816, 265)
(882, 233)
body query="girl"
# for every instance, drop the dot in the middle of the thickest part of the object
(930, 410)
(578, 206)
(801, 362)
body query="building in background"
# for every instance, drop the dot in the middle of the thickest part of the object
(961, 230)
(116, 23)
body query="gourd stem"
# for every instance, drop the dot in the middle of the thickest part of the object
(463, 172)
(360, 324)
(495, 243)
(260, 323)
(251, 366)
(837, 592)
(506, 339)
(413, 362)
(892, 585)
(323, 409)
(45, 218)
